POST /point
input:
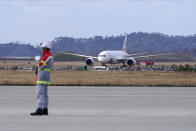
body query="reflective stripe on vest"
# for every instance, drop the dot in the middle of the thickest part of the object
(46, 69)
(43, 62)
(44, 82)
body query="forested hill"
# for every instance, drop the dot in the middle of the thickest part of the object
(17, 49)
(137, 42)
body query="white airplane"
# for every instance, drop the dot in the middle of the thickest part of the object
(114, 56)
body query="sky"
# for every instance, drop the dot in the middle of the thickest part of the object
(35, 21)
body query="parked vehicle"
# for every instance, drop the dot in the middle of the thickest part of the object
(99, 68)
(27, 69)
(81, 68)
(145, 62)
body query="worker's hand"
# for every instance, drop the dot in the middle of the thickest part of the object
(37, 58)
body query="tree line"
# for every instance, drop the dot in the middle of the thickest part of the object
(137, 42)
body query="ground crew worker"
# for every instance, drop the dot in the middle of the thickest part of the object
(43, 79)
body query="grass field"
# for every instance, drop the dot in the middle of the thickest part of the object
(98, 78)
(104, 78)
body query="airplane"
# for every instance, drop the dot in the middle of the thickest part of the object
(114, 56)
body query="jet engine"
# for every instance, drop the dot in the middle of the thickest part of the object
(89, 61)
(131, 61)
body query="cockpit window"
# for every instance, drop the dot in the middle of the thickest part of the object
(102, 55)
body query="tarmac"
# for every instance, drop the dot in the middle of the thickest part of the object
(100, 109)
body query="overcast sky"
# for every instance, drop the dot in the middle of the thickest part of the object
(35, 21)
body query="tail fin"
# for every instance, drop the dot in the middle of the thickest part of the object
(125, 43)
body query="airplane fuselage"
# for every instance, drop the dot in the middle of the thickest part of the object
(111, 57)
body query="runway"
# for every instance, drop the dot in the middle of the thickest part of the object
(100, 109)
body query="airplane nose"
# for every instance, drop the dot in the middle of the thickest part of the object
(99, 59)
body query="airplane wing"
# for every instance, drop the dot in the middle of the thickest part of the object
(16, 58)
(123, 59)
(135, 54)
(153, 55)
(73, 54)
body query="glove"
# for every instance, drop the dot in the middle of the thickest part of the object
(37, 58)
